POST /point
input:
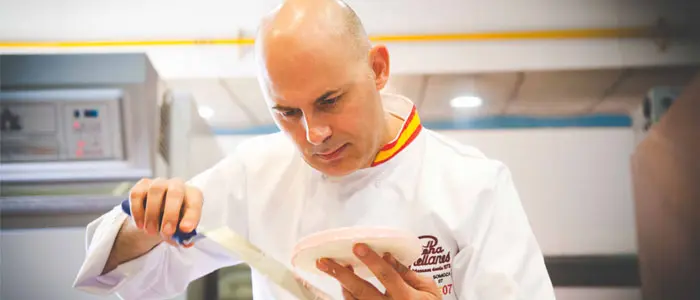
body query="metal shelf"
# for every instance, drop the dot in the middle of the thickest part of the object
(57, 205)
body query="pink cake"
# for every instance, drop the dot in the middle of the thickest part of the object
(337, 244)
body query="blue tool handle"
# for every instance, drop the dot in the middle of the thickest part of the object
(179, 236)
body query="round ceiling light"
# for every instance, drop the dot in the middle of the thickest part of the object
(466, 102)
(206, 112)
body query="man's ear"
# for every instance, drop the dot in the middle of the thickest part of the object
(379, 60)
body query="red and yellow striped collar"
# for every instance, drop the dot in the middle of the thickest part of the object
(409, 131)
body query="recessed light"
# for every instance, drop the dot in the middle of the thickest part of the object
(206, 112)
(466, 102)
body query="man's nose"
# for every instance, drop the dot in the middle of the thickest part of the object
(316, 133)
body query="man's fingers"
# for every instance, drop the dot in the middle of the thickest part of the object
(154, 201)
(407, 274)
(347, 295)
(192, 209)
(160, 206)
(357, 286)
(385, 273)
(137, 196)
(174, 198)
(412, 278)
(169, 241)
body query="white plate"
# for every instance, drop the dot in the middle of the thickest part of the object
(337, 244)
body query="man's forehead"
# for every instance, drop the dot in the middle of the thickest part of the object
(300, 83)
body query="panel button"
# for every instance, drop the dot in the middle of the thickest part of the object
(91, 113)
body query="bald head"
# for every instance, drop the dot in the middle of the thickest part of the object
(321, 79)
(313, 25)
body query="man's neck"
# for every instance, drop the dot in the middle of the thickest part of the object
(393, 127)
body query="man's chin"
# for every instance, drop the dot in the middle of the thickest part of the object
(337, 172)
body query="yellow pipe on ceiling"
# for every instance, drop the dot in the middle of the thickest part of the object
(639, 32)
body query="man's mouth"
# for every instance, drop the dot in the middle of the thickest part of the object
(332, 154)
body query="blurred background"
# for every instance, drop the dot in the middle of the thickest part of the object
(95, 95)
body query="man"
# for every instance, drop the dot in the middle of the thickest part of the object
(348, 155)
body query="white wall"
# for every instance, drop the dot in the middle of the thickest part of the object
(574, 184)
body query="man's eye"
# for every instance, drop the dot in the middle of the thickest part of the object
(290, 113)
(329, 101)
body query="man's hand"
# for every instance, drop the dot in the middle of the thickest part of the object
(399, 281)
(160, 206)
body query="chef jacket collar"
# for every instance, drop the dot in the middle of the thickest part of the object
(405, 109)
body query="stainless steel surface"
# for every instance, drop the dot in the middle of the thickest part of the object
(234, 283)
(48, 172)
(78, 131)
(57, 205)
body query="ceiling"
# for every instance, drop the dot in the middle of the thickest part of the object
(238, 103)
(205, 19)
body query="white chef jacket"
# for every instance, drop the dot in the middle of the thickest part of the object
(477, 241)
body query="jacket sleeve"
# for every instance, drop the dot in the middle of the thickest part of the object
(503, 260)
(166, 271)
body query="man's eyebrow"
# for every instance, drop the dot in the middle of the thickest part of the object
(323, 97)
(281, 107)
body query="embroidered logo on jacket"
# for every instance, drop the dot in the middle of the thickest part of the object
(435, 259)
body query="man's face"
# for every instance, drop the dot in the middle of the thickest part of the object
(329, 106)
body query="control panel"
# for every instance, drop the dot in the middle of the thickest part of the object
(60, 125)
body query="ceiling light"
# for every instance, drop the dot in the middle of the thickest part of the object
(206, 112)
(466, 102)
